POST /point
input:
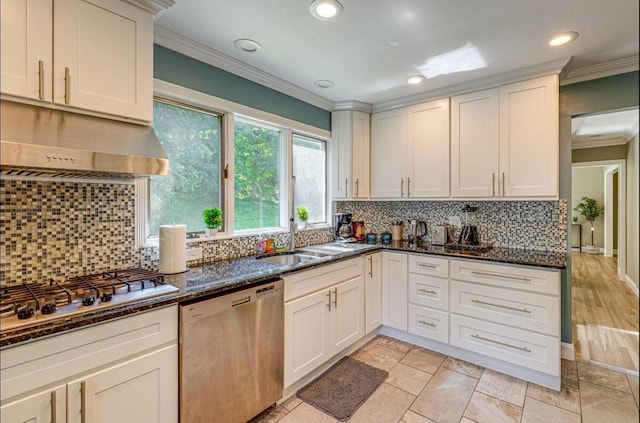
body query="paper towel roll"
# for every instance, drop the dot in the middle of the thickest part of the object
(173, 248)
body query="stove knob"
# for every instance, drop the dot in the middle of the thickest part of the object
(88, 300)
(26, 312)
(106, 297)
(48, 308)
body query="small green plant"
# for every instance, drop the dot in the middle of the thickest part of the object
(590, 210)
(575, 219)
(303, 213)
(212, 217)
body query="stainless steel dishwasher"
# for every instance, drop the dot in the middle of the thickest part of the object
(231, 355)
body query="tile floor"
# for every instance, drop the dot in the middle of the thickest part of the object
(426, 387)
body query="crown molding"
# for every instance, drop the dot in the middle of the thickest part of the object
(352, 105)
(602, 142)
(543, 69)
(601, 70)
(153, 6)
(188, 47)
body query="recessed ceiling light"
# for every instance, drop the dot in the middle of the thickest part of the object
(324, 83)
(563, 38)
(325, 9)
(247, 45)
(415, 79)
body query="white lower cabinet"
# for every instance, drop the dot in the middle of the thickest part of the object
(394, 290)
(429, 323)
(122, 370)
(324, 322)
(373, 291)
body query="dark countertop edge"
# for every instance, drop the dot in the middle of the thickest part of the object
(53, 327)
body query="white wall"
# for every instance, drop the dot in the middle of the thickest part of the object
(588, 181)
(633, 225)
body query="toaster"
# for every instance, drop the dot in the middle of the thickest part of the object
(438, 235)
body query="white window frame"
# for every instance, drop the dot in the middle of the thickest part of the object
(231, 112)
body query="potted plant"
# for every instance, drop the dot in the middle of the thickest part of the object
(212, 220)
(575, 219)
(590, 210)
(303, 215)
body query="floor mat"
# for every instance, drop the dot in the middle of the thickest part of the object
(343, 388)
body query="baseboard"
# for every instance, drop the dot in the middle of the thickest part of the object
(567, 352)
(631, 284)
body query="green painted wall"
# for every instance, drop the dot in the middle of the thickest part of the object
(613, 152)
(185, 71)
(600, 95)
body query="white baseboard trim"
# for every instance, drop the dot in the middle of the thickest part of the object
(567, 352)
(631, 284)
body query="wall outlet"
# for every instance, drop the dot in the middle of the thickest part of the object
(455, 221)
(194, 254)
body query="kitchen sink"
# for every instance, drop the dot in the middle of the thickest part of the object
(335, 248)
(291, 258)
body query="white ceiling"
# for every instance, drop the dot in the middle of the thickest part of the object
(604, 129)
(370, 50)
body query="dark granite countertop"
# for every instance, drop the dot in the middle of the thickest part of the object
(228, 275)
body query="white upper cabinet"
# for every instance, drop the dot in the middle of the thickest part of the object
(504, 141)
(350, 154)
(388, 145)
(92, 55)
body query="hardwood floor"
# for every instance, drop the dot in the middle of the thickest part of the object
(605, 313)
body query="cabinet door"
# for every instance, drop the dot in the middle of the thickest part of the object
(26, 39)
(144, 389)
(37, 408)
(529, 138)
(394, 290)
(388, 143)
(340, 154)
(361, 142)
(474, 144)
(306, 334)
(347, 314)
(373, 291)
(428, 149)
(103, 57)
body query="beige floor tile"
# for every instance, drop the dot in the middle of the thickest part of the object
(601, 404)
(408, 378)
(379, 356)
(411, 417)
(270, 415)
(386, 404)
(466, 420)
(540, 412)
(504, 387)
(395, 344)
(485, 409)
(306, 413)
(633, 382)
(445, 397)
(604, 377)
(569, 371)
(463, 367)
(291, 403)
(567, 398)
(371, 343)
(423, 359)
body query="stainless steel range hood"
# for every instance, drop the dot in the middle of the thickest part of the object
(48, 141)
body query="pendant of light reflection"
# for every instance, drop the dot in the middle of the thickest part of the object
(463, 59)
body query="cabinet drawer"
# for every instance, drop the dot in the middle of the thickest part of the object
(309, 281)
(429, 323)
(429, 291)
(526, 349)
(427, 265)
(534, 280)
(540, 313)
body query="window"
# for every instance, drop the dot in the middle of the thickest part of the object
(257, 171)
(310, 170)
(192, 139)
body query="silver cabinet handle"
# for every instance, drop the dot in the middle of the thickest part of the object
(370, 266)
(357, 189)
(401, 187)
(424, 322)
(501, 343)
(54, 411)
(523, 310)
(329, 304)
(346, 187)
(408, 187)
(427, 291)
(493, 184)
(497, 275)
(504, 186)
(83, 402)
(335, 297)
(41, 80)
(67, 86)
(427, 265)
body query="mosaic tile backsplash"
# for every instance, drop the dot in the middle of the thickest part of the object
(54, 229)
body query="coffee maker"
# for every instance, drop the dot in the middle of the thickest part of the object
(342, 226)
